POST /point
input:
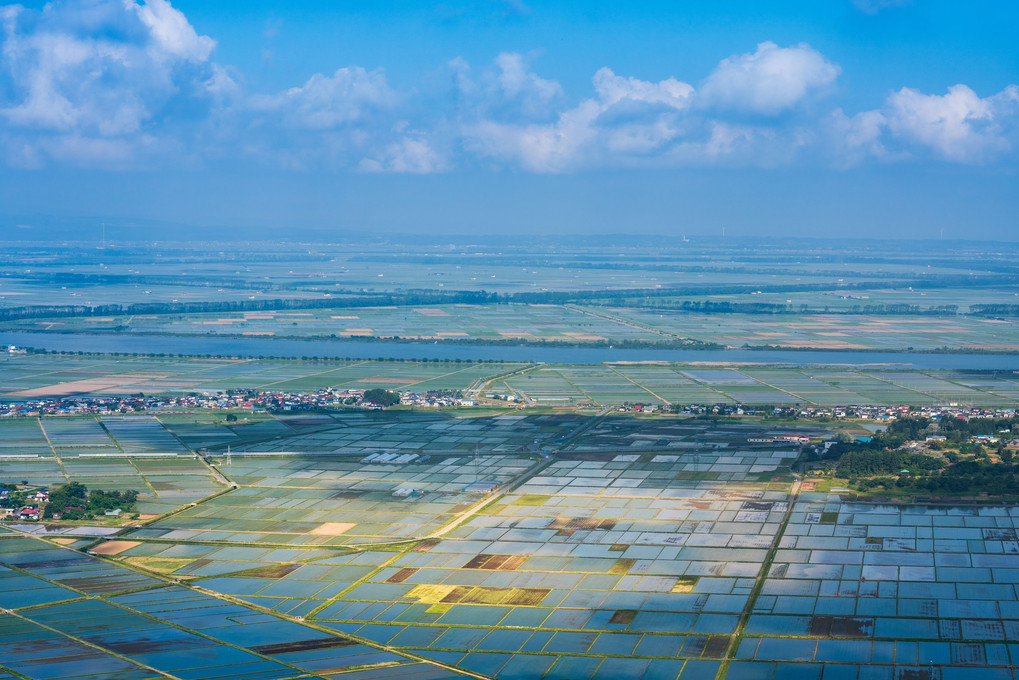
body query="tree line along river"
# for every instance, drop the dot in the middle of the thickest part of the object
(288, 348)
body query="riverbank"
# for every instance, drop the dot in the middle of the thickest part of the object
(255, 347)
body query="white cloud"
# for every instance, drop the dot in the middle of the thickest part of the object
(727, 139)
(769, 81)
(552, 147)
(516, 81)
(221, 83)
(326, 102)
(853, 139)
(89, 78)
(171, 33)
(612, 89)
(639, 139)
(630, 122)
(627, 117)
(408, 155)
(510, 90)
(959, 126)
(110, 83)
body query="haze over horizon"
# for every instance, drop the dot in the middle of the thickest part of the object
(871, 118)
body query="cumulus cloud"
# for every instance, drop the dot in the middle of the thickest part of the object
(852, 139)
(171, 33)
(627, 117)
(612, 89)
(632, 122)
(769, 81)
(325, 102)
(90, 78)
(551, 147)
(517, 82)
(960, 125)
(507, 90)
(410, 154)
(113, 83)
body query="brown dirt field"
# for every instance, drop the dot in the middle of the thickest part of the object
(77, 386)
(402, 575)
(496, 562)
(270, 571)
(331, 529)
(427, 545)
(488, 595)
(114, 547)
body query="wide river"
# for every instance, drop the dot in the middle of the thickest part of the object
(254, 347)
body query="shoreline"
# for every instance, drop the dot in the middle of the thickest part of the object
(692, 346)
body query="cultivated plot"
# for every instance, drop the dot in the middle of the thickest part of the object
(658, 384)
(27, 376)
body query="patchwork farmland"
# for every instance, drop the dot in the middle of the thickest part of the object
(612, 547)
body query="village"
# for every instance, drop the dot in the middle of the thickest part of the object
(251, 401)
(29, 503)
(334, 398)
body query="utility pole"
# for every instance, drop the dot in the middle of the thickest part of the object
(477, 477)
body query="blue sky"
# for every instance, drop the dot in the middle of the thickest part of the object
(841, 118)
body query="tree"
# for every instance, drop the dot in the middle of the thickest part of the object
(75, 490)
(381, 397)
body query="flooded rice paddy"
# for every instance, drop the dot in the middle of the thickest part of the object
(614, 548)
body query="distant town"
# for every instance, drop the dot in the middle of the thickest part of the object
(332, 399)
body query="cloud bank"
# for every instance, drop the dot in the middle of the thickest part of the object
(130, 84)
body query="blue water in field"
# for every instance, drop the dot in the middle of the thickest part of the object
(254, 347)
